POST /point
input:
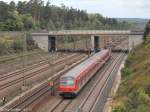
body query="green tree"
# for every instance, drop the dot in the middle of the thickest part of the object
(4, 8)
(147, 30)
(12, 6)
(22, 7)
(14, 22)
(28, 21)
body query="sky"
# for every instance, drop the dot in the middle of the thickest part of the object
(108, 8)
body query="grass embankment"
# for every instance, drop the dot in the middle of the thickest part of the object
(134, 92)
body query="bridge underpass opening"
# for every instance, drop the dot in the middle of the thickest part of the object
(96, 43)
(51, 43)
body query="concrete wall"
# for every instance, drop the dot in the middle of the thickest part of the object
(95, 42)
(42, 42)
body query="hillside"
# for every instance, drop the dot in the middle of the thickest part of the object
(138, 23)
(135, 20)
(134, 92)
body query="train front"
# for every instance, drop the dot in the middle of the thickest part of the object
(67, 87)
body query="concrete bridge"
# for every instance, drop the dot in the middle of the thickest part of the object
(83, 32)
(46, 40)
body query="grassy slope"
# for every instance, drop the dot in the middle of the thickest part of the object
(134, 92)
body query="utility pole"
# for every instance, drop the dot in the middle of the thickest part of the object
(128, 43)
(24, 57)
(66, 42)
(73, 43)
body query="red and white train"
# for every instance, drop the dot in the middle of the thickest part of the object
(75, 79)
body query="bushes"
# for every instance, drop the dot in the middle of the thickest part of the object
(5, 46)
(16, 44)
(126, 72)
(137, 100)
(2, 48)
(118, 109)
(147, 31)
(147, 89)
(137, 97)
(141, 108)
(10, 46)
(30, 42)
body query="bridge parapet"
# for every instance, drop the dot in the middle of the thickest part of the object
(90, 32)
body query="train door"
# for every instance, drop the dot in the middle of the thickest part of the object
(80, 83)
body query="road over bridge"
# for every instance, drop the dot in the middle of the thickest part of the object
(83, 32)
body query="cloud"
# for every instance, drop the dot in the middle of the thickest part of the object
(134, 3)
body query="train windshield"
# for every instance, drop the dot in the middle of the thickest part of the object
(66, 81)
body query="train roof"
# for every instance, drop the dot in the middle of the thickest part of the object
(75, 72)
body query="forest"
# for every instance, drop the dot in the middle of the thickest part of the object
(37, 15)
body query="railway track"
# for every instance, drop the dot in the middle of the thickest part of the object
(12, 57)
(61, 106)
(88, 104)
(19, 64)
(41, 63)
(33, 96)
(36, 72)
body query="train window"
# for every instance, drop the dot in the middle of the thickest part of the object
(66, 81)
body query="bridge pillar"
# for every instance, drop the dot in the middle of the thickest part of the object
(95, 43)
(51, 43)
(41, 41)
